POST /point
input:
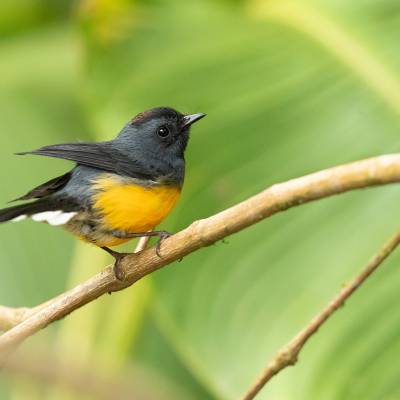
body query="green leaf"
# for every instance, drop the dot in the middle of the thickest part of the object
(155, 355)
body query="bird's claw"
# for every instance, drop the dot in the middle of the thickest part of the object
(118, 271)
(162, 236)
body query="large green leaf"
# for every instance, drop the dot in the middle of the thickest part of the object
(289, 88)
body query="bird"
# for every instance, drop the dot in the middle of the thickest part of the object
(119, 189)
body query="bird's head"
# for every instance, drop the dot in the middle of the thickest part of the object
(161, 132)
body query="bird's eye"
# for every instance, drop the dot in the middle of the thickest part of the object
(163, 131)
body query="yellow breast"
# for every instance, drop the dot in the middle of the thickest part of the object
(132, 208)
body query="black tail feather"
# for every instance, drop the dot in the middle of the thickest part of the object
(28, 209)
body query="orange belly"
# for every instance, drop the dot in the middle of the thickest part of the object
(132, 208)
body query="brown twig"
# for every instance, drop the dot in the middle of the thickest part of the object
(371, 172)
(10, 317)
(288, 355)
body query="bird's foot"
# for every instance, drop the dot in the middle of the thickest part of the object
(162, 235)
(118, 272)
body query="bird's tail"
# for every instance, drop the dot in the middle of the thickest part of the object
(22, 211)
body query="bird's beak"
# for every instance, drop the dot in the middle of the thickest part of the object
(191, 119)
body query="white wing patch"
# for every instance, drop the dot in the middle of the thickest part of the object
(19, 218)
(54, 217)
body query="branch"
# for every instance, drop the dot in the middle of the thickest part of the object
(10, 317)
(288, 355)
(371, 172)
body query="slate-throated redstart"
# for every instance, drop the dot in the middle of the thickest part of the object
(119, 189)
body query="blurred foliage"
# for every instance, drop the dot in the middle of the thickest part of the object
(25, 15)
(289, 87)
(105, 21)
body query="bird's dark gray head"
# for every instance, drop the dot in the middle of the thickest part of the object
(158, 137)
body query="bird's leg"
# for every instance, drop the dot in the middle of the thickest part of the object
(117, 265)
(160, 234)
(122, 235)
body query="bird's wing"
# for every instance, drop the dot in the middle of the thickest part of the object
(47, 188)
(97, 155)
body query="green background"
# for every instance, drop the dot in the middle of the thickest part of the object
(289, 87)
